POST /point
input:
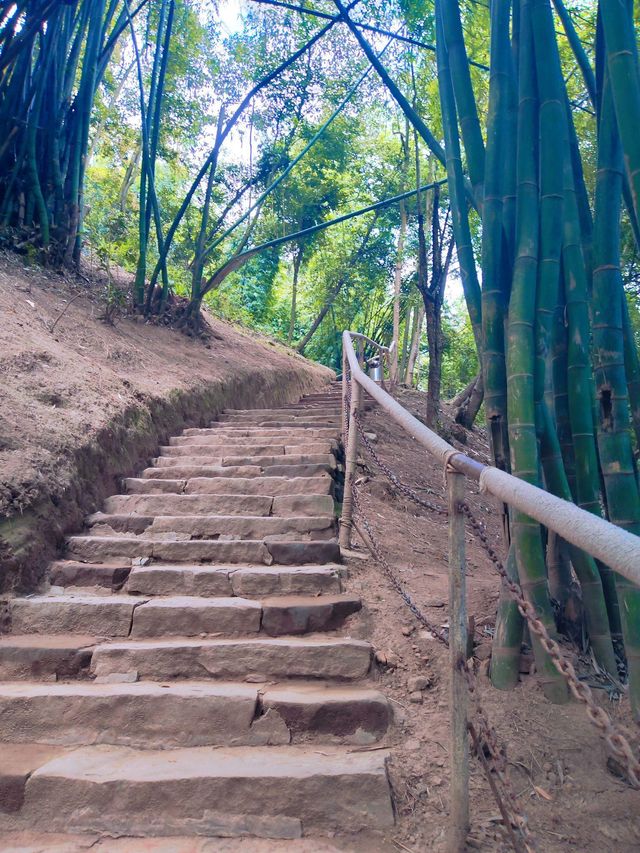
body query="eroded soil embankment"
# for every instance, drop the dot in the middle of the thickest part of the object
(86, 404)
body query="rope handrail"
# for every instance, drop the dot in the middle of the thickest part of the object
(615, 547)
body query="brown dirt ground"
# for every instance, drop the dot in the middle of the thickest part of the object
(83, 403)
(557, 761)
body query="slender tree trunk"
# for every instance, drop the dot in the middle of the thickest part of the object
(415, 344)
(297, 260)
(397, 284)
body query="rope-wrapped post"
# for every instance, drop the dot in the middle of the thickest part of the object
(351, 460)
(346, 376)
(459, 815)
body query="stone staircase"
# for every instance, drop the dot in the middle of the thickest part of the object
(189, 670)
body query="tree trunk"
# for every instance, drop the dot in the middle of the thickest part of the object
(297, 260)
(415, 343)
(435, 343)
(397, 284)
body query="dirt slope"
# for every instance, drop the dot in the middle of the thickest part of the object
(68, 398)
(557, 761)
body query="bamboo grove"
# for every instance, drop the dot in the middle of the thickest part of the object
(557, 390)
(535, 213)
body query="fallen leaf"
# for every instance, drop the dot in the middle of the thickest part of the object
(542, 793)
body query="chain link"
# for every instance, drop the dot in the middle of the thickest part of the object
(392, 476)
(613, 736)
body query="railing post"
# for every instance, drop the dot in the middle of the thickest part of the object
(345, 397)
(459, 817)
(351, 460)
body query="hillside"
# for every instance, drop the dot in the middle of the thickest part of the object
(74, 387)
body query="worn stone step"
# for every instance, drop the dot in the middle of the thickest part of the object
(321, 484)
(327, 459)
(284, 421)
(224, 504)
(47, 656)
(186, 615)
(99, 615)
(348, 714)
(214, 526)
(111, 576)
(240, 435)
(145, 714)
(188, 472)
(17, 763)
(222, 449)
(99, 548)
(298, 614)
(250, 581)
(259, 659)
(191, 616)
(260, 791)
(295, 409)
(180, 504)
(151, 715)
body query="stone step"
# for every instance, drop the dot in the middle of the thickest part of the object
(260, 791)
(321, 484)
(98, 615)
(180, 504)
(201, 458)
(100, 548)
(184, 471)
(298, 614)
(151, 715)
(144, 714)
(282, 420)
(240, 435)
(190, 616)
(237, 505)
(222, 449)
(296, 409)
(254, 659)
(248, 581)
(111, 576)
(214, 526)
(346, 713)
(35, 656)
(179, 615)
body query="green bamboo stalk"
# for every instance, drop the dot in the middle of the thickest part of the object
(455, 176)
(465, 101)
(507, 640)
(413, 117)
(624, 76)
(614, 422)
(578, 50)
(594, 582)
(631, 366)
(274, 184)
(240, 259)
(521, 360)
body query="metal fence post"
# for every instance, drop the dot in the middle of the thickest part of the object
(459, 826)
(350, 467)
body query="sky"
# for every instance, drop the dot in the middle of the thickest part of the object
(230, 12)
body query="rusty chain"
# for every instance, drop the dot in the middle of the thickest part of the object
(613, 737)
(393, 477)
